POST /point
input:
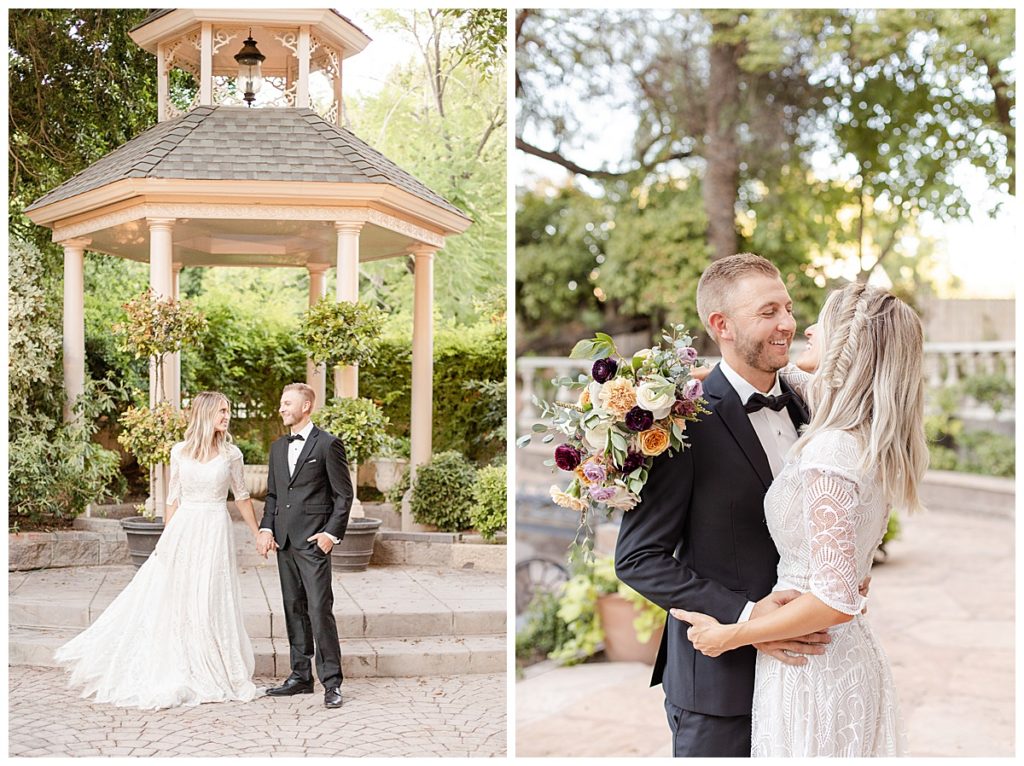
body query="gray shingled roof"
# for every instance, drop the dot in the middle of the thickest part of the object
(235, 143)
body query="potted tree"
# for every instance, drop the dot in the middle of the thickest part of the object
(362, 427)
(153, 328)
(338, 334)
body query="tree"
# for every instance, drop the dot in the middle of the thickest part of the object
(443, 120)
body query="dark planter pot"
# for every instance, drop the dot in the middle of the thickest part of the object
(353, 553)
(143, 535)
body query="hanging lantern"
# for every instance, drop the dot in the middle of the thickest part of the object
(250, 69)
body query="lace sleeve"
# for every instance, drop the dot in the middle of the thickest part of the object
(830, 505)
(174, 484)
(238, 488)
(796, 378)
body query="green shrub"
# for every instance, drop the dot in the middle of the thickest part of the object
(942, 458)
(54, 474)
(489, 513)
(253, 451)
(994, 390)
(442, 494)
(341, 332)
(989, 453)
(544, 631)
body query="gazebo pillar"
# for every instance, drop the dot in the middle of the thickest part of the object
(161, 282)
(74, 322)
(346, 379)
(316, 374)
(422, 414)
(174, 381)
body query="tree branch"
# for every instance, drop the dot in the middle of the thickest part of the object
(572, 167)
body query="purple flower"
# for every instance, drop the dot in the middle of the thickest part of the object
(600, 494)
(633, 461)
(639, 419)
(604, 369)
(595, 472)
(693, 389)
(688, 354)
(567, 457)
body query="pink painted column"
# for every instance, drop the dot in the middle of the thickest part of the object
(346, 379)
(74, 322)
(316, 374)
(422, 415)
(161, 282)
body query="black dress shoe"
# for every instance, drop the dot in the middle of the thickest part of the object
(291, 686)
(332, 697)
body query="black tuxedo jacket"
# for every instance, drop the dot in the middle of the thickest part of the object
(698, 540)
(316, 498)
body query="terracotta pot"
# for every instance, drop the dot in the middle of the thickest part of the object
(353, 553)
(620, 641)
(143, 535)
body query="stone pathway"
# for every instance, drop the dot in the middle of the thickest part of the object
(942, 608)
(462, 716)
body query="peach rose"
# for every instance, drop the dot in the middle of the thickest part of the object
(566, 500)
(618, 397)
(653, 441)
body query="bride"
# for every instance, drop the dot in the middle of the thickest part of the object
(174, 635)
(863, 452)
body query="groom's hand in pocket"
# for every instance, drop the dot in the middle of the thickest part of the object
(783, 651)
(322, 541)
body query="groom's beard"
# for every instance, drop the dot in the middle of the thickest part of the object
(758, 355)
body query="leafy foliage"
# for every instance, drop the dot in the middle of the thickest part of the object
(461, 354)
(442, 494)
(342, 332)
(489, 513)
(359, 423)
(56, 469)
(148, 433)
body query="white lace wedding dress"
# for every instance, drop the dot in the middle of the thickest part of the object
(827, 521)
(174, 635)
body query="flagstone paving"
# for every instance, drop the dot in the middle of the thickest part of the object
(460, 716)
(942, 608)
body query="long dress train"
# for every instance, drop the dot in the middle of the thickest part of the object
(175, 634)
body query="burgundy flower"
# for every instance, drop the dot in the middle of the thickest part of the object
(639, 419)
(567, 457)
(604, 369)
(633, 461)
(683, 407)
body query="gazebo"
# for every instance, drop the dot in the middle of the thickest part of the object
(277, 184)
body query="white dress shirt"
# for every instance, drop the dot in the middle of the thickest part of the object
(774, 430)
(294, 450)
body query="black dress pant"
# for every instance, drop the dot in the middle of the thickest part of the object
(695, 735)
(309, 613)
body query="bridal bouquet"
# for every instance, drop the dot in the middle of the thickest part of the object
(628, 412)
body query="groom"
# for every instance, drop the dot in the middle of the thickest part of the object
(698, 540)
(309, 494)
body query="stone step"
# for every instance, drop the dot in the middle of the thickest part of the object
(398, 603)
(361, 658)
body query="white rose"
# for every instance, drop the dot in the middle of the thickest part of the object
(596, 437)
(595, 392)
(659, 404)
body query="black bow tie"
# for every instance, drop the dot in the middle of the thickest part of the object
(760, 401)
(293, 437)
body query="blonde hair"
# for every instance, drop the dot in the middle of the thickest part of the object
(714, 289)
(307, 393)
(202, 441)
(870, 383)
